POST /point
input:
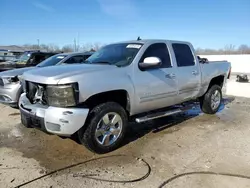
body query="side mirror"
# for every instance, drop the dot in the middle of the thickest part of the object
(150, 63)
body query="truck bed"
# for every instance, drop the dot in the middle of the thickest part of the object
(213, 69)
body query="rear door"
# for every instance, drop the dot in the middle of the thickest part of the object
(188, 72)
(155, 88)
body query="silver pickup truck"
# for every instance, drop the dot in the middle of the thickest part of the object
(127, 81)
(10, 86)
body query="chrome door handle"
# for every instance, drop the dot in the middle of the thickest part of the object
(195, 73)
(171, 76)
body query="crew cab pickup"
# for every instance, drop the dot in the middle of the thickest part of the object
(127, 81)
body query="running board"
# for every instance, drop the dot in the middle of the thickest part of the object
(158, 115)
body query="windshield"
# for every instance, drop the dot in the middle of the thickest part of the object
(115, 54)
(23, 58)
(53, 60)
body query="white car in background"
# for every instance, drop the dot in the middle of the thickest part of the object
(10, 87)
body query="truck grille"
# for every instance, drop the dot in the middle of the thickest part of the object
(36, 93)
(1, 82)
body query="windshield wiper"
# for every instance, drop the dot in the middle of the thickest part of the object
(86, 61)
(102, 62)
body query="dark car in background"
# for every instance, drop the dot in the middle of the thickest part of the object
(27, 59)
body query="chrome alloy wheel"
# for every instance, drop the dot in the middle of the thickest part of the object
(215, 99)
(108, 129)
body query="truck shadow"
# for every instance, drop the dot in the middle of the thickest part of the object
(138, 130)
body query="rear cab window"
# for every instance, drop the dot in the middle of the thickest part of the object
(159, 50)
(183, 54)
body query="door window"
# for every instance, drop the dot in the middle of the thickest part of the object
(37, 58)
(75, 59)
(79, 59)
(159, 50)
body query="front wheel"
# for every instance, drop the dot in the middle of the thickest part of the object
(210, 102)
(25, 121)
(105, 128)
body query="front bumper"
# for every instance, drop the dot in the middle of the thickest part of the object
(9, 93)
(59, 121)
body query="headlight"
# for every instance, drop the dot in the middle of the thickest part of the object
(22, 82)
(61, 96)
(20, 77)
(10, 80)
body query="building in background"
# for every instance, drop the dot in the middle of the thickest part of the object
(11, 52)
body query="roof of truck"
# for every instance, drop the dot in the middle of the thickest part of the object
(143, 41)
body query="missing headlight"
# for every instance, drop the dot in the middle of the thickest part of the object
(61, 95)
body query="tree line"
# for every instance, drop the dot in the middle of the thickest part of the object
(65, 48)
(228, 49)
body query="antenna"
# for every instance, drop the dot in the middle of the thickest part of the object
(139, 38)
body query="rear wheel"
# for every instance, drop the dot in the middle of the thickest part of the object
(210, 102)
(105, 128)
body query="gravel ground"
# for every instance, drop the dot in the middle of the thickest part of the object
(188, 142)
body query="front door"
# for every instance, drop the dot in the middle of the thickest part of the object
(155, 88)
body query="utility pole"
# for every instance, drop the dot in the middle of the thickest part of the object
(38, 43)
(75, 44)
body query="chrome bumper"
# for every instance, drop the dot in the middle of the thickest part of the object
(59, 121)
(9, 94)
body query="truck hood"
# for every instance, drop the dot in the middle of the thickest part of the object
(53, 74)
(15, 72)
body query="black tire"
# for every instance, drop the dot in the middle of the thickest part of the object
(206, 100)
(86, 135)
(25, 121)
(15, 106)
